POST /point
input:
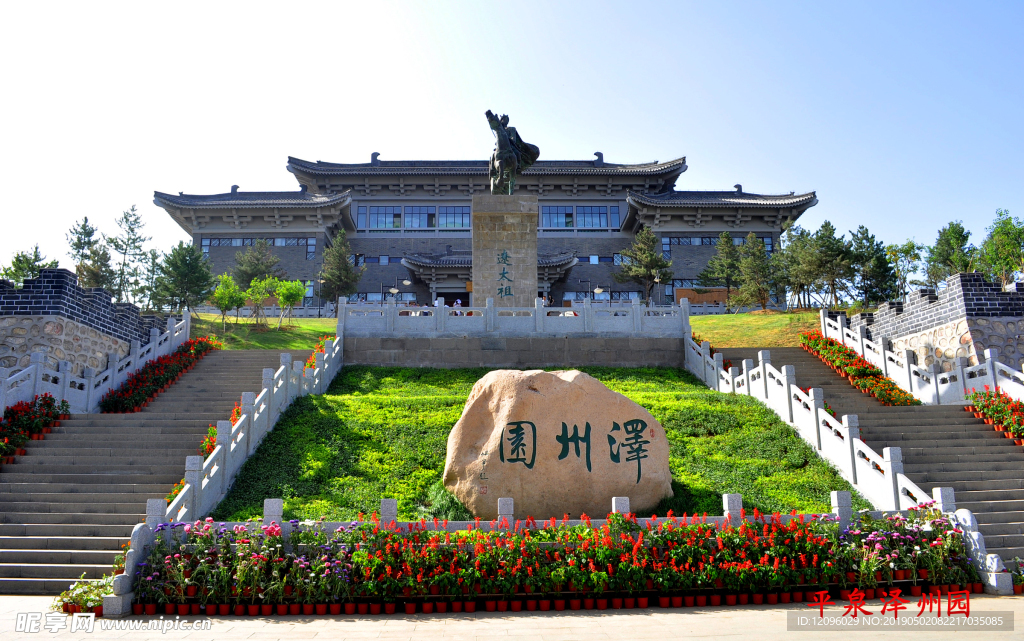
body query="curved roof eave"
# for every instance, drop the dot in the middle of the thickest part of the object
(467, 167)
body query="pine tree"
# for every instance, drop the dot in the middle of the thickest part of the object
(81, 239)
(874, 278)
(185, 279)
(148, 291)
(756, 279)
(127, 246)
(832, 262)
(951, 254)
(340, 274)
(26, 265)
(643, 263)
(257, 262)
(723, 270)
(96, 270)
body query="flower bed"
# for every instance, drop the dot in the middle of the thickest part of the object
(1000, 411)
(861, 374)
(319, 348)
(155, 376)
(697, 338)
(370, 567)
(29, 421)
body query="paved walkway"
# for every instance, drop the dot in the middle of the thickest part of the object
(764, 623)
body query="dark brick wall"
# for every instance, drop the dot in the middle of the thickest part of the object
(515, 353)
(56, 292)
(965, 296)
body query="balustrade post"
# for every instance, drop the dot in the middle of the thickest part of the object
(788, 383)
(893, 457)
(154, 338)
(734, 373)
(5, 373)
(320, 366)
(490, 314)
(62, 381)
(822, 318)
(862, 334)
(588, 314)
(249, 426)
(842, 507)
(342, 314)
(286, 363)
(390, 311)
(991, 358)
(732, 508)
(268, 384)
(883, 346)
(764, 359)
(909, 359)
(705, 355)
(156, 512)
(945, 499)
(748, 366)
(388, 511)
(620, 504)
(538, 315)
(959, 364)
(37, 360)
(298, 371)
(852, 425)
(224, 441)
(506, 511)
(719, 369)
(194, 478)
(684, 315)
(935, 370)
(637, 315)
(817, 407)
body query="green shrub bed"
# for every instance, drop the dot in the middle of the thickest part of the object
(382, 433)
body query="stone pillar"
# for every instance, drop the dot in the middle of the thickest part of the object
(505, 248)
(506, 510)
(842, 506)
(388, 511)
(732, 506)
(944, 499)
(620, 504)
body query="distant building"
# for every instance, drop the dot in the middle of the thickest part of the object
(410, 220)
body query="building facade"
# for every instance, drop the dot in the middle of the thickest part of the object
(411, 221)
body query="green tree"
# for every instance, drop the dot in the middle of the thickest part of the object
(226, 297)
(289, 294)
(81, 239)
(340, 274)
(185, 279)
(259, 290)
(951, 254)
(794, 264)
(832, 263)
(26, 265)
(257, 262)
(905, 260)
(757, 282)
(1002, 252)
(148, 291)
(96, 270)
(127, 247)
(643, 263)
(873, 276)
(723, 270)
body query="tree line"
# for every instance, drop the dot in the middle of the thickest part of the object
(182, 278)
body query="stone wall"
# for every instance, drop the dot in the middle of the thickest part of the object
(505, 249)
(515, 353)
(962, 320)
(60, 338)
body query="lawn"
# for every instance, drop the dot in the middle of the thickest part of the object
(300, 334)
(781, 329)
(382, 432)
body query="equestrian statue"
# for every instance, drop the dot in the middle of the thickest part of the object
(511, 155)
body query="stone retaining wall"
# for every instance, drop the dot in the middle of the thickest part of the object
(60, 339)
(515, 353)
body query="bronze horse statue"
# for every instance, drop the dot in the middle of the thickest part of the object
(511, 155)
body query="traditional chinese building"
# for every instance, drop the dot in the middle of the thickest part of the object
(410, 220)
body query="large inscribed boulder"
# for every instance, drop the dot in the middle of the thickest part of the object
(557, 443)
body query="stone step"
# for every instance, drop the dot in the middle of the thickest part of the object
(33, 475)
(61, 557)
(104, 543)
(153, 489)
(1007, 517)
(67, 572)
(993, 540)
(154, 450)
(35, 586)
(980, 461)
(169, 427)
(77, 498)
(987, 486)
(955, 441)
(1000, 528)
(127, 464)
(80, 518)
(945, 478)
(67, 529)
(114, 419)
(113, 439)
(39, 507)
(992, 466)
(1005, 504)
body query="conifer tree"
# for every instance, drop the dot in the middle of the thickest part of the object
(26, 265)
(255, 263)
(340, 273)
(723, 270)
(643, 263)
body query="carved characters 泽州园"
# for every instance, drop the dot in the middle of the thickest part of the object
(511, 155)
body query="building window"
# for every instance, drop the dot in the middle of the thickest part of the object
(419, 217)
(360, 222)
(625, 295)
(357, 298)
(453, 217)
(385, 217)
(605, 259)
(385, 260)
(291, 242)
(205, 244)
(556, 216)
(357, 260)
(594, 259)
(666, 247)
(590, 217)
(372, 260)
(768, 244)
(709, 240)
(738, 241)
(310, 247)
(619, 259)
(613, 214)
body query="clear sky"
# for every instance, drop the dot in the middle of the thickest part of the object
(902, 116)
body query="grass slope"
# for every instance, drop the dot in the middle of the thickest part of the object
(382, 432)
(755, 330)
(302, 334)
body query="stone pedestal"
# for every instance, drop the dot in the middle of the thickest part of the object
(505, 250)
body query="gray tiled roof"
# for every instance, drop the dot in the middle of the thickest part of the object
(466, 259)
(719, 199)
(252, 199)
(479, 167)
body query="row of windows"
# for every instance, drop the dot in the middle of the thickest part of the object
(374, 297)
(359, 259)
(308, 243)
(578, 296)
(416, 217)
(587, 217)
(668, 241)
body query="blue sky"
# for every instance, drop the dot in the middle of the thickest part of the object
(902, 116)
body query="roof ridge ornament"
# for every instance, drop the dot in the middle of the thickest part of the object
(739, 188)
(599, 161)
(374, 161)
(234, 189)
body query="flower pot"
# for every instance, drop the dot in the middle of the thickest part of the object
(922, 574)
(602, 604)
(650, 585)
(798, 597)
(784, 597)
(168, 608)
(702, 601)
(680, 601)
(307, 608)
(440, 606)
(374, 608)
(350, 608)
(389, 608)
(715, 599)
(190, 590)
(410, 608)
(588, 604)
(254, 610)
(558, 603)
(150, 608)
(502, 606)
(282, 609)
(616, 603)
(979, 415)
(544, 605)
(469, 606)
(851, 577)
(266, 609)
(744, 599)
(294, 608)
(428, 608)
(574, 604)
(1018, 589)
(516, 606)
(239, 610)
(435, 590)
(531, 604)
(98, 611)
(978, 588)
(287, 590)
(869, 593)
(456, 606)
(664, 601)
(335, 608)
(641, 602)
(844, 595)
(136, 608)
(490, 606)
(321, 608)
(915, 590)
